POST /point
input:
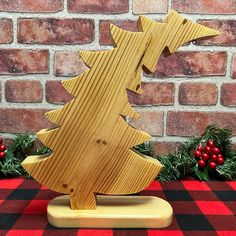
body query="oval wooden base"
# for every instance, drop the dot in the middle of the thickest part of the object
(112, 212)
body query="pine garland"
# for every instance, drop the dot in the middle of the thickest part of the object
(178, 165)
(182, 164)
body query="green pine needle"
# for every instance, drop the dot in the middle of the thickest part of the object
(228, 170)
(22, 146)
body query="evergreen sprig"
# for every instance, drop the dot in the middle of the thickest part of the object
(181, 164)
(145, 148)
(11, 165)
(22, 146)
(228, 170)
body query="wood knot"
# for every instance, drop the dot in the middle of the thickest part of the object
(138, 87)
(185, 21)
(64, 185)
(103, 141)
(72, 190)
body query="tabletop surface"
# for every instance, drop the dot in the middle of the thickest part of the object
(200, 208)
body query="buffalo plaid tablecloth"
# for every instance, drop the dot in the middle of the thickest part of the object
(200, 208)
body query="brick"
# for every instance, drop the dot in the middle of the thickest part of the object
(23, 91)
(6, 30)
(187, 123)
(205, 6)
(228, 94)
(233, 71)
(150, 6)
(197, 94)
(153, 94)
(98, 6)
(104, 29)
(191, 64)
(227, 36)
(23, 120)
(68, 63)
(22, 61)
(234, 146)
(55, 31)
(7, 141)
(165, 148)
(150, 122)
(55, 93)
(31, 6)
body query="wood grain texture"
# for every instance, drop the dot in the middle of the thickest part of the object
(92, 145)
(112, 212)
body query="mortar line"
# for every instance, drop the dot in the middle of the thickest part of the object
(218, 80)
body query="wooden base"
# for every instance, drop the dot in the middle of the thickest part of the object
(112, 212)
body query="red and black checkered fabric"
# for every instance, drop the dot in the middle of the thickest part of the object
(200, 208)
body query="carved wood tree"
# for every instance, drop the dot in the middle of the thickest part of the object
(92, 145)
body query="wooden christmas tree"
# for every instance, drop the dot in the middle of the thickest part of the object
(92, 145)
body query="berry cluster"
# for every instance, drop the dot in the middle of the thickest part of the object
(208, 154)
(2, 149)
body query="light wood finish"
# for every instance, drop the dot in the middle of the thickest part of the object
(113, 212)
(92, 145)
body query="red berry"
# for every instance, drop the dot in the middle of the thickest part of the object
(212, 165)
(205, 156)
(2, 155)
(1, 140)
(210, 143)
(220, 161)
(213, 158)
(199, 148)
(216, 150)
(201, 163)
(2, 148)
(207, 149)
(220, 156)
(197, 154)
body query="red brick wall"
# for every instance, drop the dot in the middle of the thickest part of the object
(40, 41)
